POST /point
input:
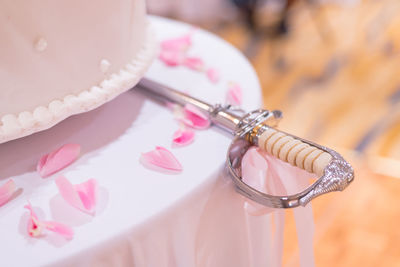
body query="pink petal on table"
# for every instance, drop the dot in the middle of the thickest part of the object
(36, 227)
(172, 57)
(194, 63)
(81, 196)
(163, 158)
(59, 228)
(177, 110)
(58, 159)
(213, 75)
(177, 44)
(183, 137)
(171, 105)
(195, 118)
(234, 95)
(6, 191)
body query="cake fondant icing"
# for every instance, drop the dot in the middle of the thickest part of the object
(62, 58)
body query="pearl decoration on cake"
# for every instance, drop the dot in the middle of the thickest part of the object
(104, 65)
(26, 119)
(41, 44)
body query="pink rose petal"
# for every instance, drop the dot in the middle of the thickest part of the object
(6, 191)
(195, 118)
(172, 57)
(36, 227)
(163, 158)
(59, 228)
(234, 95)
(213, 75)
(194, 63)
(183, 137)
(177, 44)
(58, 159)
(81, 196)
(171, 106)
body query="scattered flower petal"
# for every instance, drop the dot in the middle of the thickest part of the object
(177, 111)
(177, 44)
(171, 105)
(163, 158)
(234, 95)
(194, 63)
(6, 191)
(59, 228)
(213, 75)
(174, 53)
(172, 57)
(58, 159)
(193, 117)
(183, 137)
(36, 227)
(81, 196)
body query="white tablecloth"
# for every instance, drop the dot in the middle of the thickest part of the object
(146, 218)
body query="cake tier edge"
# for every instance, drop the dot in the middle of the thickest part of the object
(25, 123)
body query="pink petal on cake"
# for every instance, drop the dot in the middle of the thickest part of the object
(213, 75)
(172, 57)
(81, 196)
(177, 44)
(234, 95)
(6, 191)
(183, 137)
(193, 117)
(194, 63)
(163, 158)
(58, 159)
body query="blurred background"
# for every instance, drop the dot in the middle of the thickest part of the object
(333, 68)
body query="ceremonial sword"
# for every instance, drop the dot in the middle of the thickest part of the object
(258, 128)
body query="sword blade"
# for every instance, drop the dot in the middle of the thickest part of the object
(225, 119)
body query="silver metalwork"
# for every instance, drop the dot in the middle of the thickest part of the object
(337, 175)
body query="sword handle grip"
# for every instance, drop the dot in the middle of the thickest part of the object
(294, 151)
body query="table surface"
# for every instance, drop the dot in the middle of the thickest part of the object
(112, 139)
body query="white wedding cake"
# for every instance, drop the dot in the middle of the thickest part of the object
(59, 58)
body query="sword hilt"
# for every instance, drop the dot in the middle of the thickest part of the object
(292, 150)
(256, 128)
(257, 125)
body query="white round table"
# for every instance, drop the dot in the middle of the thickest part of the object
(146, 218)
